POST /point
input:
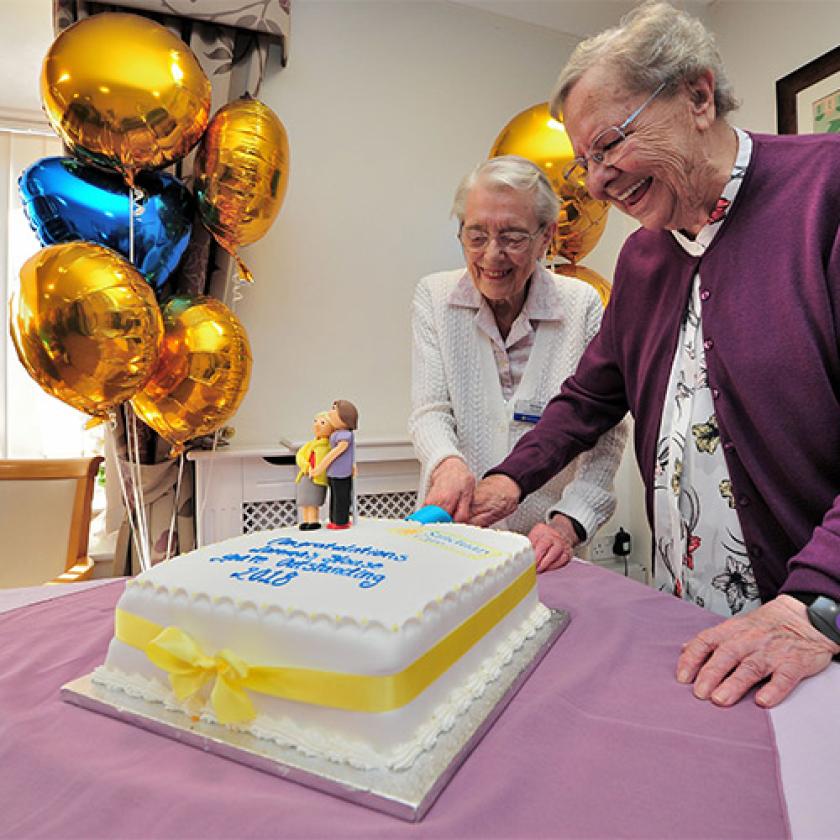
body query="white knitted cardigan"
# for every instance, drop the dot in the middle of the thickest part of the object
(458, 407)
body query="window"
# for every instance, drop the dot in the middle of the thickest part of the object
(32, 423)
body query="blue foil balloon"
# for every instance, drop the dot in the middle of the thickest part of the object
(66, 200)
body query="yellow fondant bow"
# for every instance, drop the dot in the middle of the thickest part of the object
(189, 669)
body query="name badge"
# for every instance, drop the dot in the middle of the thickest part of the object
(527, 411)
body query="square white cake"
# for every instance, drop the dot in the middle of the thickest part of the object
(360, 646)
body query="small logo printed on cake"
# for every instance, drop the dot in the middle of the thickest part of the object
(450, 542)
(408, 530)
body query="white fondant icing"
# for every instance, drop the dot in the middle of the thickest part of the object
(433, 578)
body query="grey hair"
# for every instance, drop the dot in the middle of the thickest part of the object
(653, 44)
(510, 172)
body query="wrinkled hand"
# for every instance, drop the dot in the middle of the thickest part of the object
(553, 543)
(776, 640)
(495, 497)
(451, 487)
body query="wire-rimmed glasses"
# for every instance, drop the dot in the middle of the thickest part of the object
(515, 242)
(605, 143)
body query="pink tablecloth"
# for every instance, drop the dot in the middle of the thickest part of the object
(600, 742)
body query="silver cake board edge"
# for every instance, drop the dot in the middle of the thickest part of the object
(406, 794)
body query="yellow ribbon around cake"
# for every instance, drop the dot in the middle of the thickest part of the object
(190, 668)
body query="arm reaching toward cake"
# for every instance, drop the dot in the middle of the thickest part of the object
(495, 497)
(451, 488)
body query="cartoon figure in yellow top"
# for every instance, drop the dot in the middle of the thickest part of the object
(311, 491)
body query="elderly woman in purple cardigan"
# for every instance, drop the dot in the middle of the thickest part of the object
(722, 339)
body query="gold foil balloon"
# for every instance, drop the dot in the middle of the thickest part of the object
(124, 92)
(536, 135)
(202, 372)
(241, 171)
(85, 325)
(581, 272)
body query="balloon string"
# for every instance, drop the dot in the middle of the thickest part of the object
(132, 439)
(141, 492)
(170, 539)
(206, 488)
(133, 449)
(125, 473)
(236, 294)
(131, 443)
(131, 225)
(121, 473)
(132, 469)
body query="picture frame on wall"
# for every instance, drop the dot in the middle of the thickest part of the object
(808, 99)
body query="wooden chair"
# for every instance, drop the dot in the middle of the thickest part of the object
(45, 510)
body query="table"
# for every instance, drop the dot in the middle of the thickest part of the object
(600, 742)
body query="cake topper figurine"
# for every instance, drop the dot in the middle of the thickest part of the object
(311, 491)
(339, 463)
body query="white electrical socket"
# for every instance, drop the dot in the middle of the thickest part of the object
(601, 548)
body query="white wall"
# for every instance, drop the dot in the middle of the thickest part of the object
(387, 105)
(25, 36)
(762, 41)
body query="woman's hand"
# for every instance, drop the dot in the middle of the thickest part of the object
(776, 641)
(553, 542)
(495, 497)
(451, 487)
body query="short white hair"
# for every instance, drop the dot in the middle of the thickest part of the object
(654, 44)
(513, 173)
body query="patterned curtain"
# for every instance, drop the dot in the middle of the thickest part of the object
(231, 41)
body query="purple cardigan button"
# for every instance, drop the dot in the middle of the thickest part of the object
(708, 344)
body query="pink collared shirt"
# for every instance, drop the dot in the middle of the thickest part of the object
(511, 354)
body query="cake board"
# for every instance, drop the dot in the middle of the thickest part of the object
(406, 794)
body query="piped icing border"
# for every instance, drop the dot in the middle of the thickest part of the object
(457, 590)
(311, 741)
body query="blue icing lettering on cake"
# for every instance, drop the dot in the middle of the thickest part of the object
(335, 564)
(306, 556)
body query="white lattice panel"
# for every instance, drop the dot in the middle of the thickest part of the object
(387, 505)
(241, 491)
(263, 516)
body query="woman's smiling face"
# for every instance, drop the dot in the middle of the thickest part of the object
(498, 275)
(659, 174)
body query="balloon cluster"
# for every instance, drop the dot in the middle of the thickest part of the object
(129, 98)
(534, 134)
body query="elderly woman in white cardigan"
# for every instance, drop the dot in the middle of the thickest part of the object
(492, 344)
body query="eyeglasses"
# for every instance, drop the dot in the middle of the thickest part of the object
(605, 143)
(514, 242)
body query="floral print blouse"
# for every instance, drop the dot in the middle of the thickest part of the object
(700, 554)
